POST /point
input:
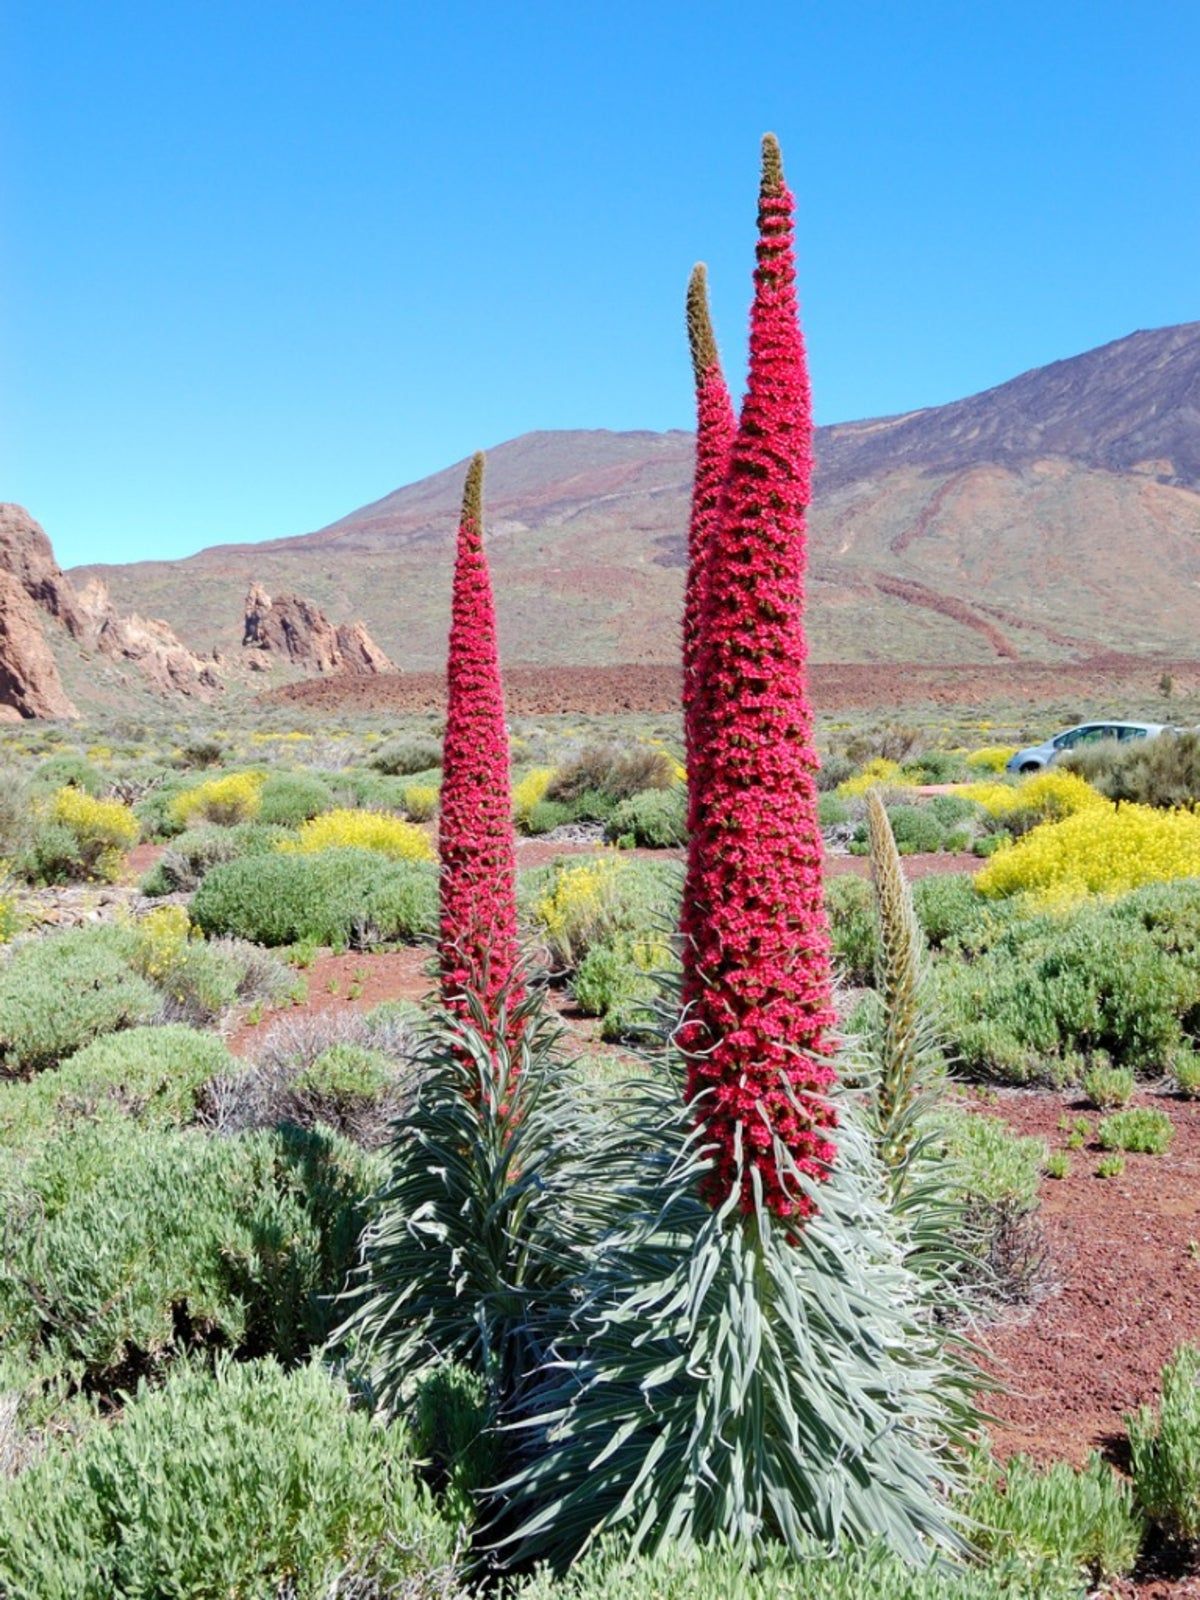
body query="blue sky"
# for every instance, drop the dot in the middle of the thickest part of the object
(264, 262)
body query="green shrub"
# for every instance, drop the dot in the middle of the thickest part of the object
(1143, 1130)
(1087, 1518)
(1186, 1071)
(1045, 993)
(404, 756)
(615, 981)
(193, 853)
(609, 772)
(289, 798)
(854, 927)
(679, 1574)
(916, 829)
(59, 993)
(71, 770)
(79, 836)
(134, 1243)
(16, 814)
(1164, 1449)
(580, 901)
(656, 819)
(335, 897)
(546, 815)
(450, 1419)
(948, 907)
(996, 1176)
(1163, 772)
(952, 810)
(1107, 1086)
(1058, 1165)
(835, 768)
(1110, 1166)
(246, 1481)
(832, 810)
(152, 1075)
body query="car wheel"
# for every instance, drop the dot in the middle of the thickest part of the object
(1031, 766)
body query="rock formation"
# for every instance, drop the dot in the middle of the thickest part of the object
(26, 553)
(147, 643)
(30, 685)
(298, 631)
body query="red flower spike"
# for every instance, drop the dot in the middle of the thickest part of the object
(757, 973)
(478, 945)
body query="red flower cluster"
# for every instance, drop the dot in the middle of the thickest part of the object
(478, 946)
(757, 975)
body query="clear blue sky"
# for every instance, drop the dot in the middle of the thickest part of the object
(264, 262)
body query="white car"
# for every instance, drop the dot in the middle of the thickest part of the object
(1036, 756)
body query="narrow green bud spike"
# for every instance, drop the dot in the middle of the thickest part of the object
(699, 323)
(772, 165)
(472, 503)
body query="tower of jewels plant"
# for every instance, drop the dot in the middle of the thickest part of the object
(757, 978)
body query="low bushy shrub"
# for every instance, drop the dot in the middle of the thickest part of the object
(235, 797)
(616, 982)
(59, 993)
(1164, 1450)
(1102, 849)
(362, 830)
(880, 772)
(577, 903)
(290, 798)
(990, 757)
(68, 769)
(263, 1483)
(192, 853)
(545, 816)
(155, 1076)
(996, 1177)
(615, 772)
(1162, 772)
(407, 754)
(421, 801)
(529, 792)
(79, 836)
(1045, 797)
(1043, 994)
(1107, 1086)
(335, 897)
(948, 907)
(131, 1244)
(854, 927)
(656, 819)
(1087, 1518)
(1143, 1130)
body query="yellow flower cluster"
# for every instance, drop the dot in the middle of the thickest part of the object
(990, 757)
(103, 829)
(577, 910)
(876, 772)
(531, 791)
(420, 801)
(1048, 796)
(361, 830)
(162, 940)
(227, 800)
(1104, 849)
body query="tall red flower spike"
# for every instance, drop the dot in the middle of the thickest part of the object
(757, 975)
(715, 428)
(478, 946)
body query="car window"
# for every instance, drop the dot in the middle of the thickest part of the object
(1092, 734)
(1131, 733)
(1065, 741)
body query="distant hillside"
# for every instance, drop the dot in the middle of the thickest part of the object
(1044, 519)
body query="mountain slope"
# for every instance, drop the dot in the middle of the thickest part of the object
(1049, 517)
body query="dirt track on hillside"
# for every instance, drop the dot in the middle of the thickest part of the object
(649, 689)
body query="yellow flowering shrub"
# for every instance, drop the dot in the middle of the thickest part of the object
(1045, 797)
(991, 757)
(876, 772)
(103, 830)
(531, 791)
(579, 909)
(162, 941)
(420, 801)
(1101, 849)
(234, 798)
(361, 830)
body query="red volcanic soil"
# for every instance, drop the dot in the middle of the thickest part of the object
(1127, 1285)
(351, 982)
(646, 689)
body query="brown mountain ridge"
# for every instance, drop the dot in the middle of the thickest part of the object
(1050, 517)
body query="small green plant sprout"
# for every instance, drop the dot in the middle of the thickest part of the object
(255, 1014)
(303, 953)
(1058, 1164)
(1164, 1450)
(354, 991)
(1065, 1124)
(298, 993)
(1109, 1087)
(1081, 1132)
(332, 986)
(1143, 1130)
(1110, 1166)
(1185, 1069)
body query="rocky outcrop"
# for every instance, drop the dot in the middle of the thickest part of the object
(149, 644)
(30, 685)
(26, 553)
(296, 630)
